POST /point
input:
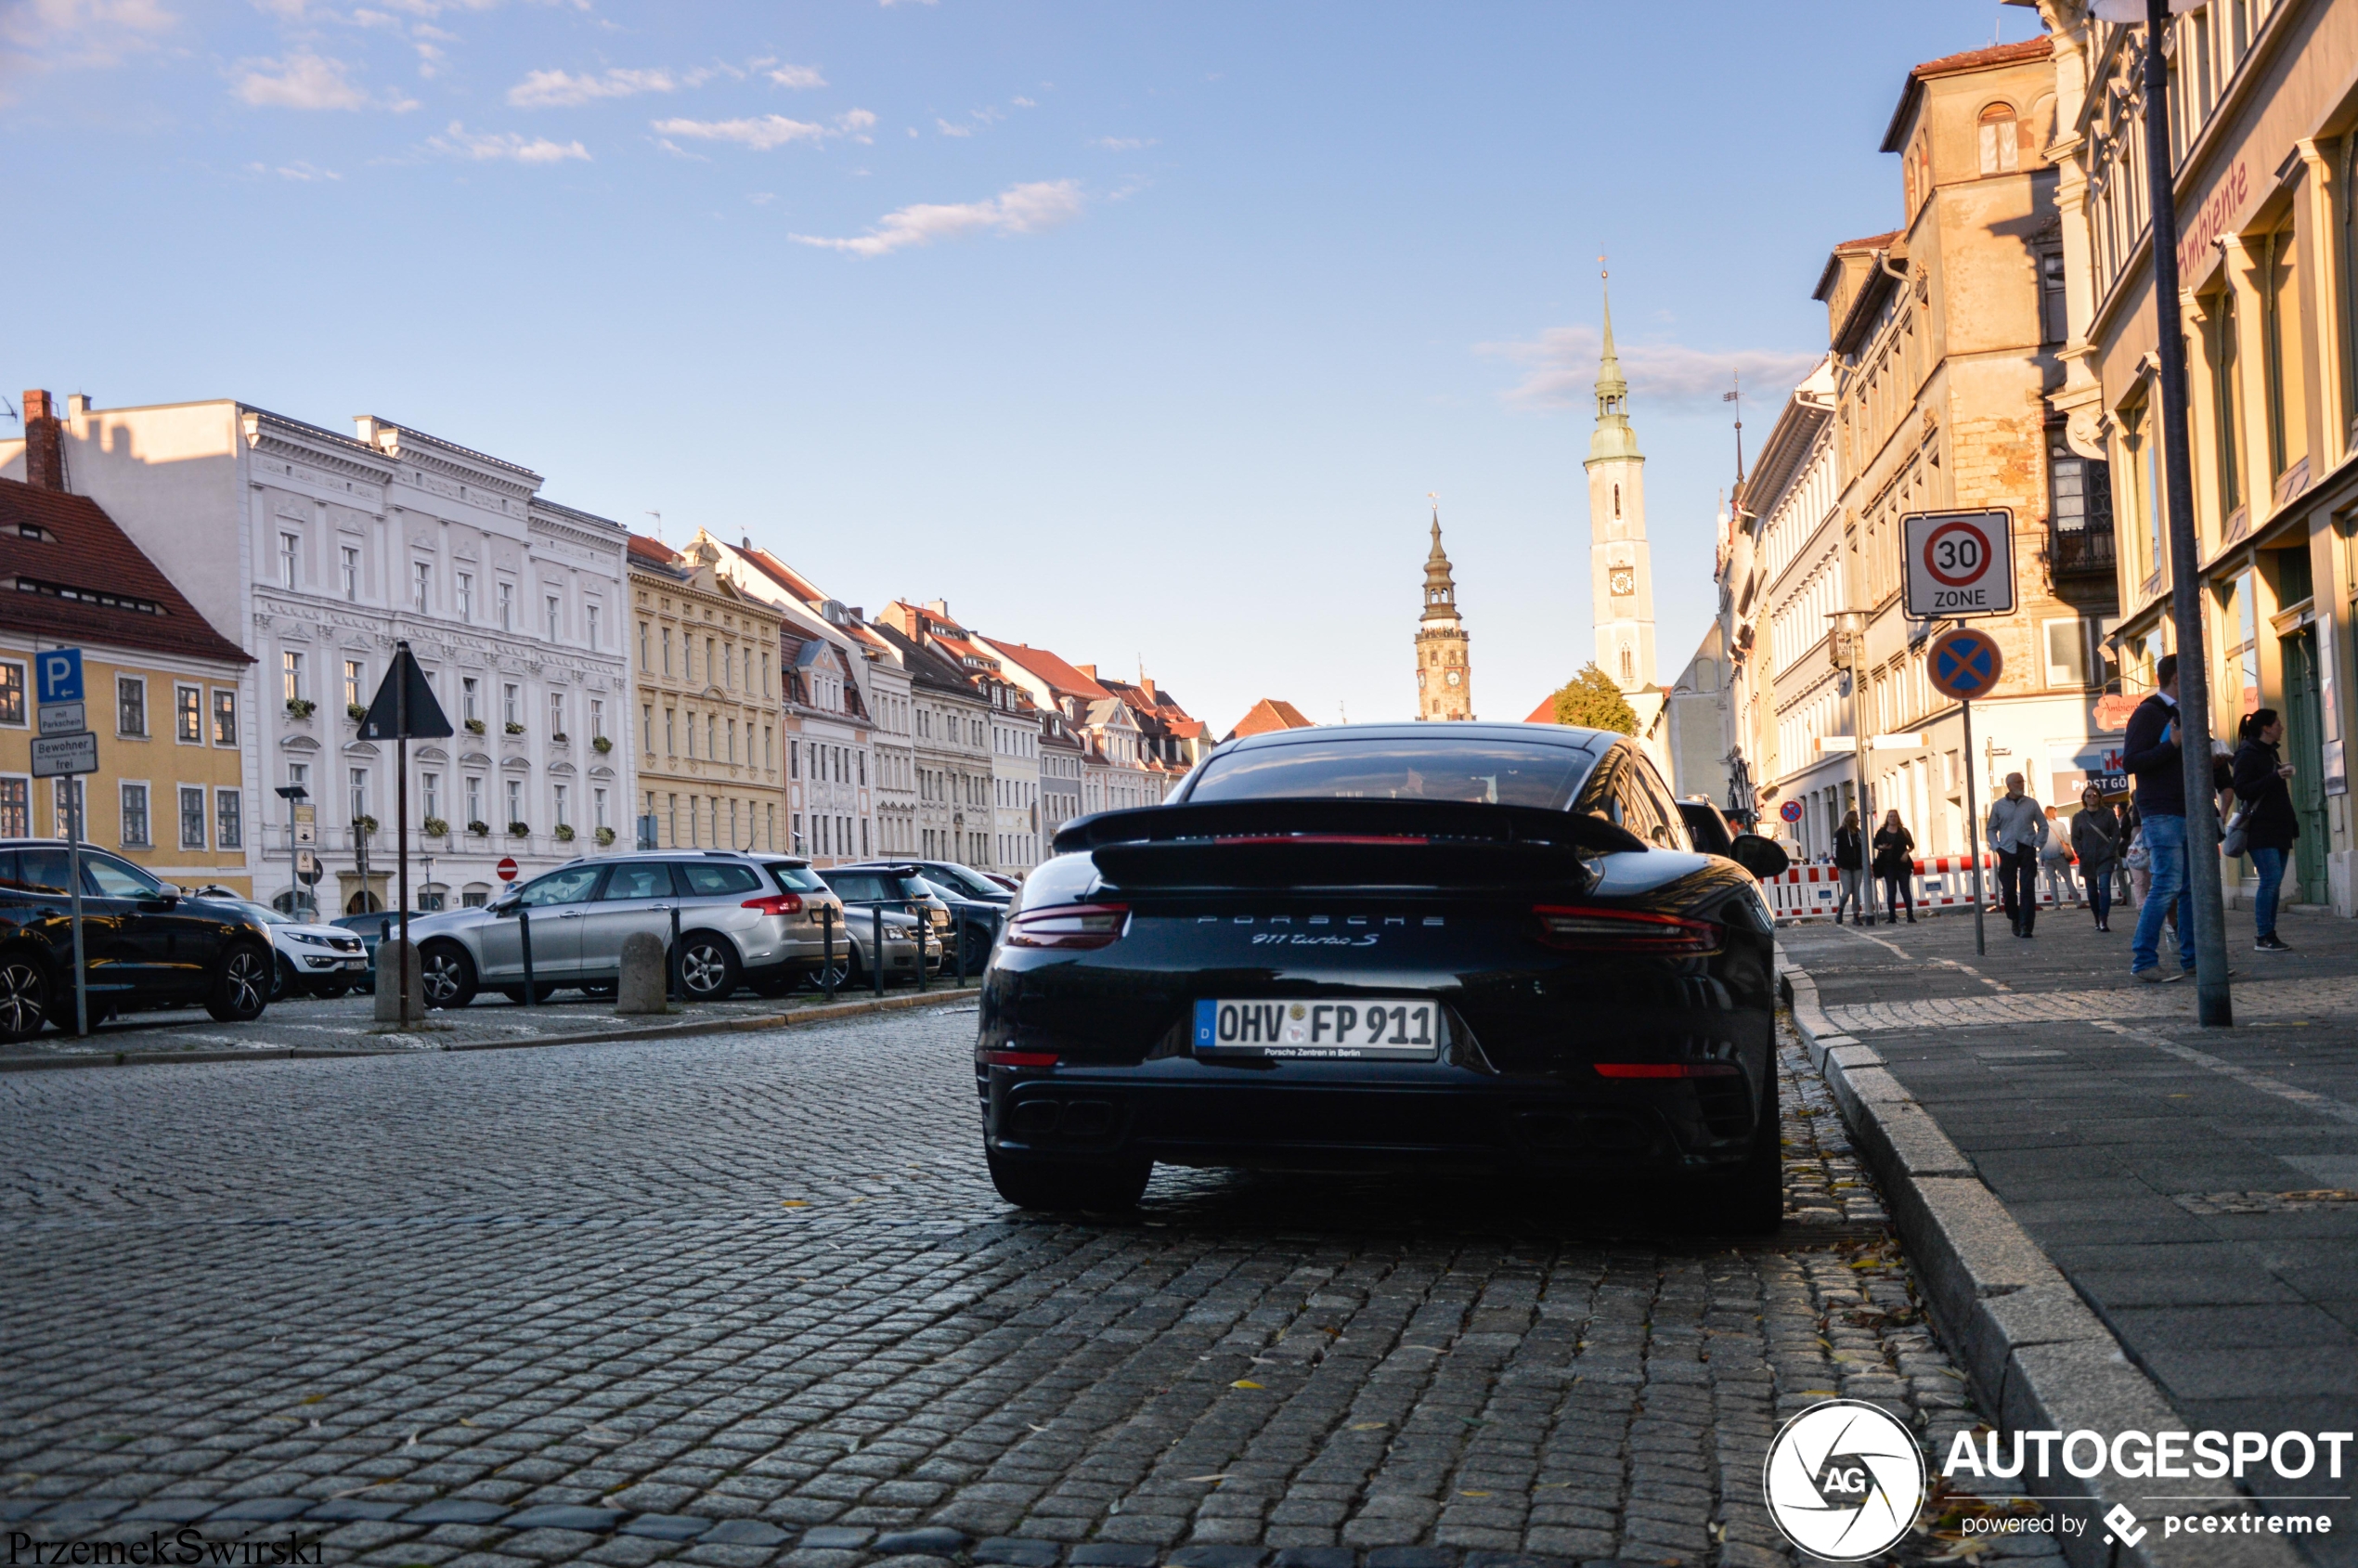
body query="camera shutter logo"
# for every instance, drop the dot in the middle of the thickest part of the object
(1844, 1480)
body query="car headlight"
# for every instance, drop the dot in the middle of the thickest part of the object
(307, 940)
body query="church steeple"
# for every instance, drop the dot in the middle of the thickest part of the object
(1613, 438)
(1445, 656)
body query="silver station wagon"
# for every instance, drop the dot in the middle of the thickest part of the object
(743, 920)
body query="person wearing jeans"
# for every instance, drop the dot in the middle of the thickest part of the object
(2017, 828)
(2150, 749)
(2271, 824)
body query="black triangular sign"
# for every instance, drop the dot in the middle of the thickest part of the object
(425, 718)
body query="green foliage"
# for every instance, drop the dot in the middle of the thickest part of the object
(1591, 700)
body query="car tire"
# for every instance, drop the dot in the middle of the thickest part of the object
(598, 991)
(282, 978)
(709, 967)
(24, 996)
(447, 975)
(243, 986)
(1749, 1199)
(1093, 1187)
(776, 984)
(332, 993)
(541, 991)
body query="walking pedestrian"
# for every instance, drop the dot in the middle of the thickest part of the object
(2017, 828)
(1896, 863)
(2269, 823)
(2151, 752)
(2095, 838)
(2054, 861)
(1850, 868)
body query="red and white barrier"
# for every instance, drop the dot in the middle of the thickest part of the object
(1814, 892)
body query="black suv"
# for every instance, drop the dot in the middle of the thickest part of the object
(145, 944)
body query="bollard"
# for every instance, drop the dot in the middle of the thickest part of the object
(390, 953)
(641, 988)
(672, 987)
(827, 950)
(878, 952)
(524, 935)
(924, 918)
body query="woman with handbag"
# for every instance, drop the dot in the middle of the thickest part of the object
(1895, 864)
(2265, 825)
(2095, 838)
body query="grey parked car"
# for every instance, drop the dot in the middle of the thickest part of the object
(743, 919)
(854, 939)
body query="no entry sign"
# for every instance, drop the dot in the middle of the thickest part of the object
(1964, 664)
(506, 868)
(1959, 563)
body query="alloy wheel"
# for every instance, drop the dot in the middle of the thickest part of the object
(438, 973)
(247, 986)
(703, 967)
(23, 999)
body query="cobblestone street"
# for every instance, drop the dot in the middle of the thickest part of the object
(750, 1297)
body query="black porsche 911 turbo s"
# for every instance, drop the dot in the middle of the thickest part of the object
(1478, 947)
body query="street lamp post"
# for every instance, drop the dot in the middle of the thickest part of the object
(294, 795)
(2213, 1004)
(1850, 638)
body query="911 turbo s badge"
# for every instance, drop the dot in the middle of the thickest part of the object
(1304, 938)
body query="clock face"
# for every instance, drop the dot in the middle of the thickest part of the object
(1453, 678)
(1625, 582)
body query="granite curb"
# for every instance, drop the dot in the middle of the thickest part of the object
(2039, 1358)
(824, 1013)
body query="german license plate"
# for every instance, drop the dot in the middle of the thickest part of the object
(1367, 1029)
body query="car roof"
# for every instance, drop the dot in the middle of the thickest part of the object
(1569, 736)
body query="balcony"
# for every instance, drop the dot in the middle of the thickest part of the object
(2079, 552)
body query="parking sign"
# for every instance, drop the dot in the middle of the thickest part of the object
(57, 673)
(1960, 563)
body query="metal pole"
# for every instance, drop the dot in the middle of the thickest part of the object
(1973, 829)
(74, 884)
(524, 935)
(1858, 756)
(2213, 1004)
(827, 950)
(673, 990)
(401, 806)
(294, 873)
(876, 970)
(924, 918)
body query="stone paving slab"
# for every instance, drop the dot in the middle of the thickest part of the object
(750, 1298)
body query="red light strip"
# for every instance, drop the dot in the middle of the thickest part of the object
(1665, 1070)
(1020, 1058)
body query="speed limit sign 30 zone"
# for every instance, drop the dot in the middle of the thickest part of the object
(1959, 563)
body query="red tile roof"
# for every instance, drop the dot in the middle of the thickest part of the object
(1545, 712)
(84, 580)
(785, 577)
(655, 550)
(1059, 675)
(1270, 714)
(2037, 48)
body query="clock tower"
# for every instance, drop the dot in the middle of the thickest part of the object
(1620, 564)
(1444, 661)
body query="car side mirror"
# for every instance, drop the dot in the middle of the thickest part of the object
(161, 901)
(1761, 856)
(506, 905)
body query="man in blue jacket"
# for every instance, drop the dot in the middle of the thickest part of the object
(2151, 753)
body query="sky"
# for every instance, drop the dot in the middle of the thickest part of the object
(1139, 331)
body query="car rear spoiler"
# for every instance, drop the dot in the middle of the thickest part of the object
(1343, 843)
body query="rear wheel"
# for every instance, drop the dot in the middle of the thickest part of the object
(447, 973)
(24, 996)
(599, 990)
(708, 969)
(1096, 1186)
(243, 987)
(332, 993)
(1749, 1199)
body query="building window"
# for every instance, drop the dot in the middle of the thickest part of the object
(224, 716)
(647, 727)
(2066, 652)
(15, 808)
(466, 595)
(556, 610)
(556, 715)
(515, 803)
(355, 683)
(430, 790)
(359, 797)
(351, 572)
(422, 586)
(299, 776)
(597, 717)
(291, 668)
(11, 693)
(135, 816)
(507, 606)
(188, 714)
(191, 817)
(590, 624)
(670, 742)
(474, 802)
(642, 645)
(130, 706)
(2225, 363)
(229, 819)
(2054, 322)
(597, 808)
(290, 559)
(511, 706)
(470, 691)
(564, 814)
(667, 650)
(2001, 140)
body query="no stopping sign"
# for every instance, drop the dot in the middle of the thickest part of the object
(1959, 563)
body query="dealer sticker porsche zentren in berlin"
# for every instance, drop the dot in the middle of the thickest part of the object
(1844, 1480)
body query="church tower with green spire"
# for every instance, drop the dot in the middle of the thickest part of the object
(1619, 561)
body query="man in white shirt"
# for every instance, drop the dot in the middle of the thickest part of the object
(2017, 828)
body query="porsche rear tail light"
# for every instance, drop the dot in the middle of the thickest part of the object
(1020, 1058)
(1666, 1070)
(1585, 928)
(1078, 926)
(777, 903)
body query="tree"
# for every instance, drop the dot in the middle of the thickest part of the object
(1591, 700)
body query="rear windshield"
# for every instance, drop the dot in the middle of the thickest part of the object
(1410, 768)
(795, 878)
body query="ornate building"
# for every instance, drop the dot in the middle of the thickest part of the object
(1619, 560)
(1444, 662)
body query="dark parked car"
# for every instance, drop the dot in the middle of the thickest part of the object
(1706, 829)
(1469, 946)
(146, 945)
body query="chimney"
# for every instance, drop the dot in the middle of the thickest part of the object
(940, 607)
(1146, 684)
(1088, 669)
(44, 456)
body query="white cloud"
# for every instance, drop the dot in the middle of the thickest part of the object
(1023, 103)
(302, 172)
(1121, 144)
(301, 81)
(559, 89)
(1019, 209)
(889, 4)
(949, 130)
(481, 147)
(1560, 369)
(765, 132)
(797, 76)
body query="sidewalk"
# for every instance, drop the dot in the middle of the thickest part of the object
(2197, 1188)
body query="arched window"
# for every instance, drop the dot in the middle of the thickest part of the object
(2001, 140)
(1629, 664)
(1616, 500)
